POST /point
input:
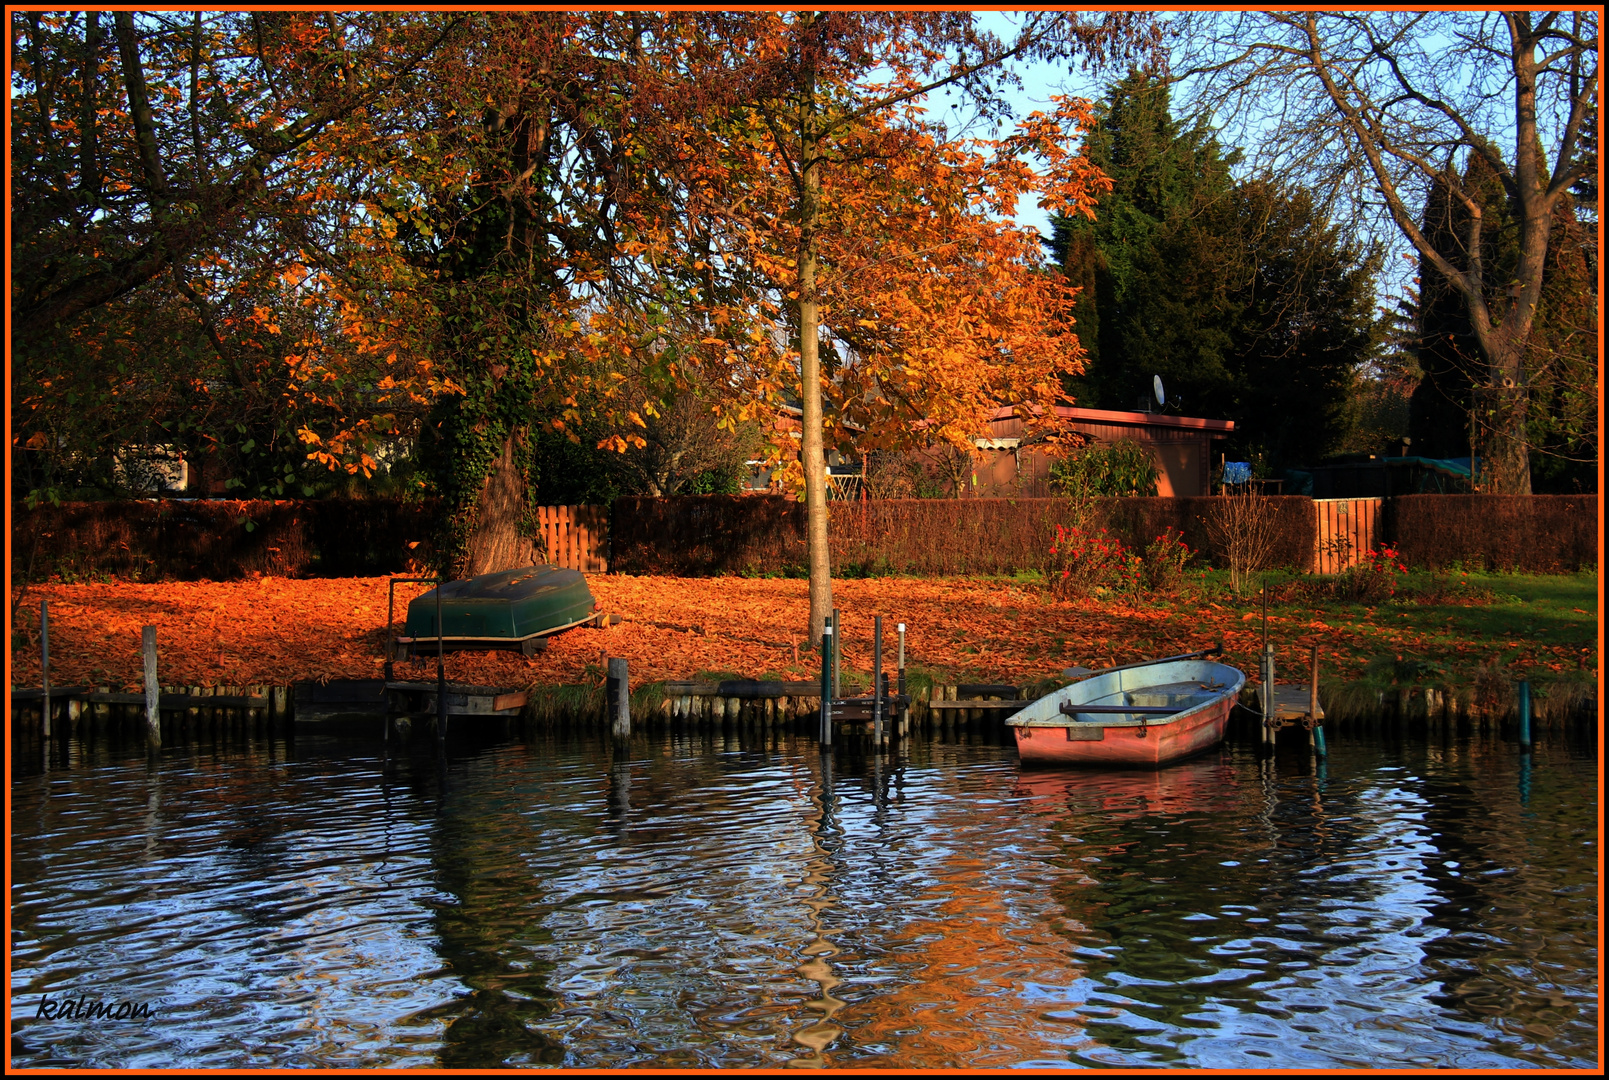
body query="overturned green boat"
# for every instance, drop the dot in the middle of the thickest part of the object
(512, 609)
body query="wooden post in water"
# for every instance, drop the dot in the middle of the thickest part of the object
(44, 669)
(824, 736)
(1525, 716)
(153, 715)
(1313, 710)
(905, 709)
(837, 654)
(877, 680)
(619, 697)
(441, 671)
(1266, 668)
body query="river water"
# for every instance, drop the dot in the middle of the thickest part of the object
(699, 902)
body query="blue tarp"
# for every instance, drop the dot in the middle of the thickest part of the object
(1237, 472)
(1461, 467)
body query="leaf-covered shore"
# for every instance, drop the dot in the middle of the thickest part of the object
(278, 631)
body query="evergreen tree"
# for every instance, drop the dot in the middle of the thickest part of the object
(1165, 179)
(1246, 302)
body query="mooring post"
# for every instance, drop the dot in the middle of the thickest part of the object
(44, 669)
(441, 671)
(619, 697)
(1525, 716)
(1266, 668)
(390, 634)
(1313, 710)
(825, 735)
(153, 716)
(837, 655)
(905, 708)
(877, 680)
(1269, 706)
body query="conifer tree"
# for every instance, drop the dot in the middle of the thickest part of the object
(1246, 302)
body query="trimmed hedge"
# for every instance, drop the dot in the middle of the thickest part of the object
(188, 540)
(735, 534)
(1537, 533)
(696, 535)
(732, 534)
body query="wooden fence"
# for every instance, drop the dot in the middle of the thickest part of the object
(576, 537)
(1348, 529)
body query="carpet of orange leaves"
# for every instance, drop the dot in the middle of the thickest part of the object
(278, 631)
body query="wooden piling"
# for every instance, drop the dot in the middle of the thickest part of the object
(878, 692)
(619, 696)
(44, 669)
(837, 655)
(1314, 717)
(153, 716)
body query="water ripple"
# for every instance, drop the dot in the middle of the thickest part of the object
(552, 903)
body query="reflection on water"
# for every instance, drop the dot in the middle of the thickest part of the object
(693, 902)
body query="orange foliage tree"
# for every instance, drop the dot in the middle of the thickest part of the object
(170, 174)
(515, 220)
(851, 256)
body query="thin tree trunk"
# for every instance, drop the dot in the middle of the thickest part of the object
(813, 453)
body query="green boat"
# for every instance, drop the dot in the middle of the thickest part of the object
(512, 609)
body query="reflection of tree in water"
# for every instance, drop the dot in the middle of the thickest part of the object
(827, 839)
(485, 934)
(1517, 881)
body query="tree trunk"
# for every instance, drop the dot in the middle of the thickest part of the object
(813, 454)
(494, 542)
(1498, 435)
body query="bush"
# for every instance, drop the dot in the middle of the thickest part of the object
(1373, 580)
(1165, 561)
(1243, 529)
(1080, 562)
(1119, 468)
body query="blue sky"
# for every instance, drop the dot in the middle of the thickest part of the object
(1040, 81)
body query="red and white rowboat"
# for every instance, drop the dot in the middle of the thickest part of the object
(1141, 714)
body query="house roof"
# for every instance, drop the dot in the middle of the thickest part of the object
(790, 415)
(1138, 419)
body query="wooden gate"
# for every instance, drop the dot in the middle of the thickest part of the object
(1348, 529)
(576, 537)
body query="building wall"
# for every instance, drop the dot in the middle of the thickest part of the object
(1183, 457)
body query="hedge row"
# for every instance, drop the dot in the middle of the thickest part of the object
(728, 534)
(706, 534)
(1538, 533)
(187, 540)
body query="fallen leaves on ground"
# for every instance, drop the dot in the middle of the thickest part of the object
(277, 631)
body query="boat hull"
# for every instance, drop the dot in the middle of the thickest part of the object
(1188, 705)
(1142, 746)
(501, 610)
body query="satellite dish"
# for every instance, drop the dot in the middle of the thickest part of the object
(1156, 384)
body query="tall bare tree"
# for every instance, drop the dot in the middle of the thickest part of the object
(1378, 107)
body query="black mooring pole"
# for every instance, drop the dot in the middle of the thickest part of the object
(825, 737)
(877, 681)
(441, 671)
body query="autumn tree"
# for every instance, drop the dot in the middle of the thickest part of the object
(1394, 103)
(853, 254)
(163, 188)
